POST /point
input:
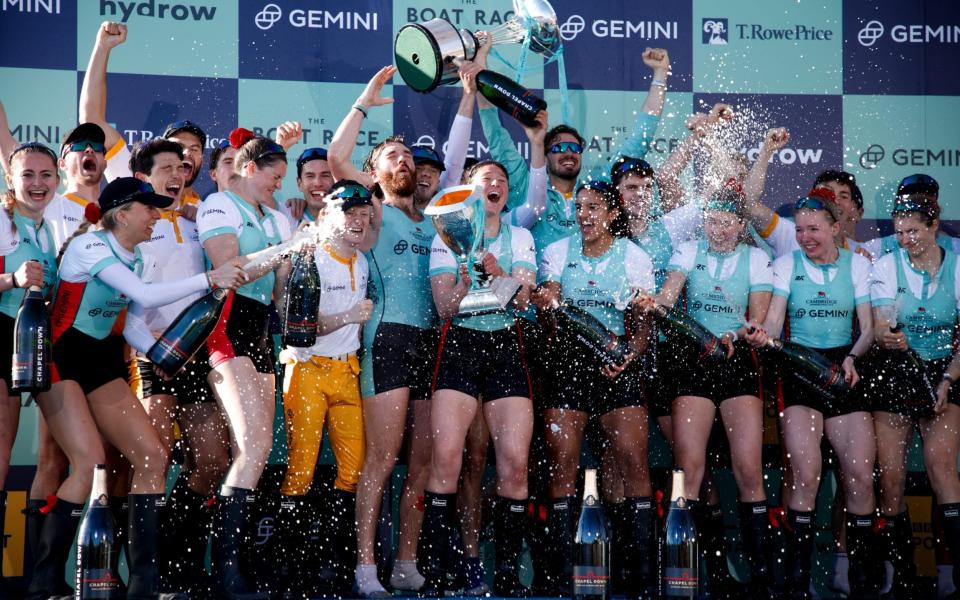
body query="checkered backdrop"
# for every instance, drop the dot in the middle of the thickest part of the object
(867, 85)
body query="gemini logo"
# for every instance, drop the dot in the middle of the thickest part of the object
(715, 32)
(271, 14)
(620, 28)
(572, 27)
(871, 157)
(870, 33)
(268, 17)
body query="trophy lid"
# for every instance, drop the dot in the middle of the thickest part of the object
(453, 199)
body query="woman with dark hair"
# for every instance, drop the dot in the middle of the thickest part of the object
(480, 358)
(915, 291)
(823, 290)
(90, 397)
(28, 258)
(238, 223)
(599, 270)
(725, 281)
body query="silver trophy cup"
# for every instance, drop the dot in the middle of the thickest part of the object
(429, 54)
(459, 219)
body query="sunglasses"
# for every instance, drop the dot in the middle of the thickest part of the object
(272, 148)
(811, 203)
(561, 147)
(81, 145)
(635, 165)
(351, 191)
(35, 146)
(311, 154)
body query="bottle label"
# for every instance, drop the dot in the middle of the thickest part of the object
(22, 368)
(680, 582)
(301, 326)
(590, 580)
(99, 583)
(170, 348)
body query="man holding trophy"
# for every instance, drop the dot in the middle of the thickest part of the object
(480, 270)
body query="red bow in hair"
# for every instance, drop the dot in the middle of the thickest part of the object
(734, 184)
(240, 136)
(823, 193)
(91, 212)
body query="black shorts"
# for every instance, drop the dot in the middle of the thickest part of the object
(6, 350)
(88, 361)
(576, 382)
(716, 379)
(188, 387)
(243, 331)
(484, 364)
(898, 388)
(661, 382)
(794, 390)
(401, 356)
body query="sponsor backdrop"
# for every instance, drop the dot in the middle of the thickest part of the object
(865, 85)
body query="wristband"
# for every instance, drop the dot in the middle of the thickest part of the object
(209, 280)
(362, 110)
(659, 83)
(732, 332)
(948, 379)
(853, 356)
(13, 278)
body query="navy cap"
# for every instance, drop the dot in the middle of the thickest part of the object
(426, 155)
(918, 183)
(124, 190)
(189, 127)
(84, 131)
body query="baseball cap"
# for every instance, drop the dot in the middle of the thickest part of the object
(627, 164)
(918, 183)
(124, 190)
(308, 155)
(189, 127)
(352, 193)
(426, 155)
(84, 131)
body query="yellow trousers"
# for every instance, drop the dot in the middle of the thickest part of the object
(322, 391)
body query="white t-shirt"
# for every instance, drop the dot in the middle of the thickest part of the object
(343, 284)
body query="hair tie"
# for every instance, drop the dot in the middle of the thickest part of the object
(240, 136)
(91, 212)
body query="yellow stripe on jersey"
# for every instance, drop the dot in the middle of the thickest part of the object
(114, 149)
(770, 226)
(343, 260)
(75, 198)
(190, 197)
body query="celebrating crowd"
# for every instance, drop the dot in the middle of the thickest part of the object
(129, 244)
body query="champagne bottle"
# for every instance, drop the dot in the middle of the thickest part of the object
(31, 344)
(187, 333)
(591, 566)
(679, 324)
(680, 577)
(510, 97)
(812, 367)
(303, 302)
(926, 393)
(588, 330)
(96, 545)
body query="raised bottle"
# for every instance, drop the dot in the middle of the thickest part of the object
(303, 302)
(589, 331)
(510, 97)
(591, 546)
(680, 560)
(96, 544)
(31, 345)
(187, 333)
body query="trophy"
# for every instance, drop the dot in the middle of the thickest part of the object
(458, 216)
(429, 54)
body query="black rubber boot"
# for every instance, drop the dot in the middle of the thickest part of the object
(53, 546)
(539, 542)
(292, 529)
(866, 566)
(561, 534)
(144, 580)
(721, 583)
(229, 525)
(183, 537)
(338, 545)
(799, 552)
(509, 527)
(898, 542)
(950, 523)
(439, 519)
(636, 547)
(754, 524)
(617, 530)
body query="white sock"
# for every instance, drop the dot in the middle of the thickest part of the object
(366, 580)
(841, 567)
(405, 575)
(945, 585)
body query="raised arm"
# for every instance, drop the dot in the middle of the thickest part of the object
(526, 215)
(345, 138)
(761, 216)
(659, 60)
(7, 143)
(93, 93)
(458, 140)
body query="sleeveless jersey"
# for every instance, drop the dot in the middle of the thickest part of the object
(29, 243)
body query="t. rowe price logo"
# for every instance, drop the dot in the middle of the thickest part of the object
(154, 9)
(715, 31)
(909, 34)
(620, 28)
(874, 154)
(271, 14)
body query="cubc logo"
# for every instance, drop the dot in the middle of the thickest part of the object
(715, 31)
(158, 10)
(271, 14)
